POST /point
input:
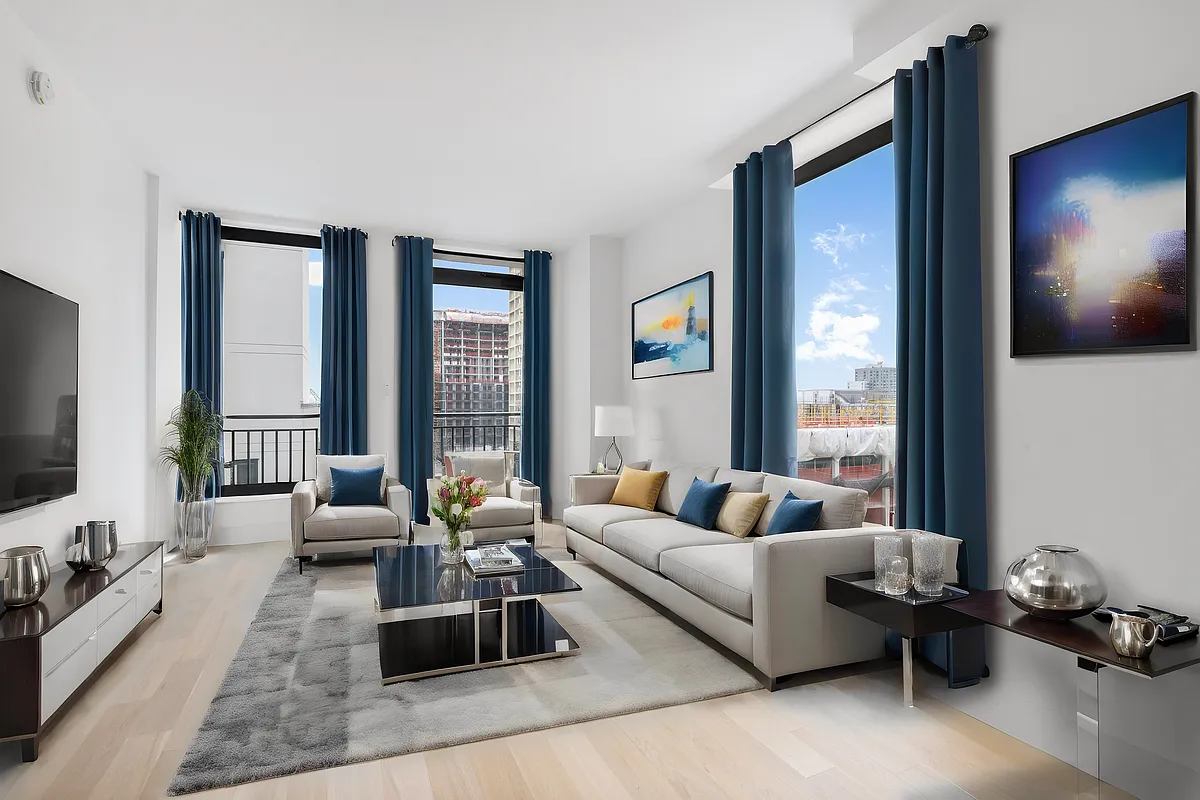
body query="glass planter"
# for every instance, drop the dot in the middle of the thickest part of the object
(194, 521)
(452, 545)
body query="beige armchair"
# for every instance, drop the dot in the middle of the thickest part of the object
(318, 527)
(511, 507)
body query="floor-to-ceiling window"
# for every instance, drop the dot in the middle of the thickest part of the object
(845, 226)
(478, 337)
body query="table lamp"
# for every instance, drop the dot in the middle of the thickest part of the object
(614, 421)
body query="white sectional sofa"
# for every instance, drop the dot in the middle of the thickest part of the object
(762, 597)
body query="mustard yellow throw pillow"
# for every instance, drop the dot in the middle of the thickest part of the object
(740, 511)
(638, 488)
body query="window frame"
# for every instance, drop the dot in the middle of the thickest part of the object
(843, 154)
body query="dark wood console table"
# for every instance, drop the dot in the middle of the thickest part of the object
(1087, 638)
(49, 649)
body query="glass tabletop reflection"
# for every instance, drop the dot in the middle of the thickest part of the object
(414, 575)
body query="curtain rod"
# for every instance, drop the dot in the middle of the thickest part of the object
(975, 35)
(364, 233)
(464, 254)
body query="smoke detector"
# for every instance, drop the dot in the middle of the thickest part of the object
(41, 88)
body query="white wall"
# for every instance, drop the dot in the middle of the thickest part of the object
(682, 418)
(74, 214)
(1097, 452)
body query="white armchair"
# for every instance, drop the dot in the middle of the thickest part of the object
(511, 507)
(318, 527)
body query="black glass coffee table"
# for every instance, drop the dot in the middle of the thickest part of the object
(437, 619)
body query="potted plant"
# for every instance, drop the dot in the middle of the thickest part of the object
(457, 497)
(193, 449)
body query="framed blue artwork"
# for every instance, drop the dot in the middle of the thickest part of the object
(1100, 239)
(672, 330)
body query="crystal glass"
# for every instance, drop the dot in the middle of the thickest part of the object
(885, 547)
(929, 563)
(897, 580)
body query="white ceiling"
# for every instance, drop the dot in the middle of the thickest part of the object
(518, 123)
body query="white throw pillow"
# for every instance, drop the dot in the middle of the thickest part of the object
(325, 478)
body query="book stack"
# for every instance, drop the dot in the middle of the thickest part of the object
(493, 560)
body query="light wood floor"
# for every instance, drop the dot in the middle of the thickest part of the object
(124, 736)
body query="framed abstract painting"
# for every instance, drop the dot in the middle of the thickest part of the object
(1100, 239)
(672, 330)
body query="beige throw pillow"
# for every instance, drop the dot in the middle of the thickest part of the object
(638, 489)
(740, 511)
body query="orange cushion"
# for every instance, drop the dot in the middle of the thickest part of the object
(638, 488)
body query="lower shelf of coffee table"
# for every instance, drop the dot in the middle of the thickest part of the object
(479, 639)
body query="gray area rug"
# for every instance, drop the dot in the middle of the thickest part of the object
(304, 691)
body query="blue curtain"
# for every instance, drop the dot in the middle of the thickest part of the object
(344, 342)
(939, 336)
(535, 407)
(201, 285)
(764, 345)
(414, 343)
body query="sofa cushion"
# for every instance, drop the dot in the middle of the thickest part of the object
(740, 511)
(355, 487)
(721, 575)
(591, 520)
(498, 511)
(638, 489)
(843, 508)
(679, 480)
(335, 523)
(488, 467)
(795, 515)
(325, 480)
(741, 480)
(703, 504)
(643, 540)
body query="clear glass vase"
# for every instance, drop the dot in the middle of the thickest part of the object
(194, 521)
(453, 542)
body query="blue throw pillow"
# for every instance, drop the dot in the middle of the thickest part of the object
(703, 504)
(795, 515)
(355, 487)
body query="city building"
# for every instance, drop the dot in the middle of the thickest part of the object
(470, 381)
(878, 381)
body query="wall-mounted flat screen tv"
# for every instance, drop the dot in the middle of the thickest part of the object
(39, 394)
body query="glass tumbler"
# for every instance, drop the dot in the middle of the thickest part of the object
(897, 580)
(929, 563)
(886, 546)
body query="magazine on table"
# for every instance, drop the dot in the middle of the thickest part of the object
(495, 559)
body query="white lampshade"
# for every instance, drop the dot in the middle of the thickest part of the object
(614, 421)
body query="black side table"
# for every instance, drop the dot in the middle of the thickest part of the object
(911, 614)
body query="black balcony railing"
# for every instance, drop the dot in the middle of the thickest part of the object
(268, 453)
(467, 431)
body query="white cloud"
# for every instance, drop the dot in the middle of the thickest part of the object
(834, 335)
(841, 290)
(316, 275)
(835, 240)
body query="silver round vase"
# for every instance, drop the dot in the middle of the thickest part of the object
(1055, 582)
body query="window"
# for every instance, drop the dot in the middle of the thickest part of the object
(272, 359)
(845, 219)
(477, 345)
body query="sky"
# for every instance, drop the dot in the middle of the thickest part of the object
(314, 321)
(845, 226)
(469, 298)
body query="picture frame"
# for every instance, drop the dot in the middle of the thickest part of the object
(1100, 237)
(671, 330)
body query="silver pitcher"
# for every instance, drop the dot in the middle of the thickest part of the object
(1132, 636)
(95, 545)
(26, 575)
